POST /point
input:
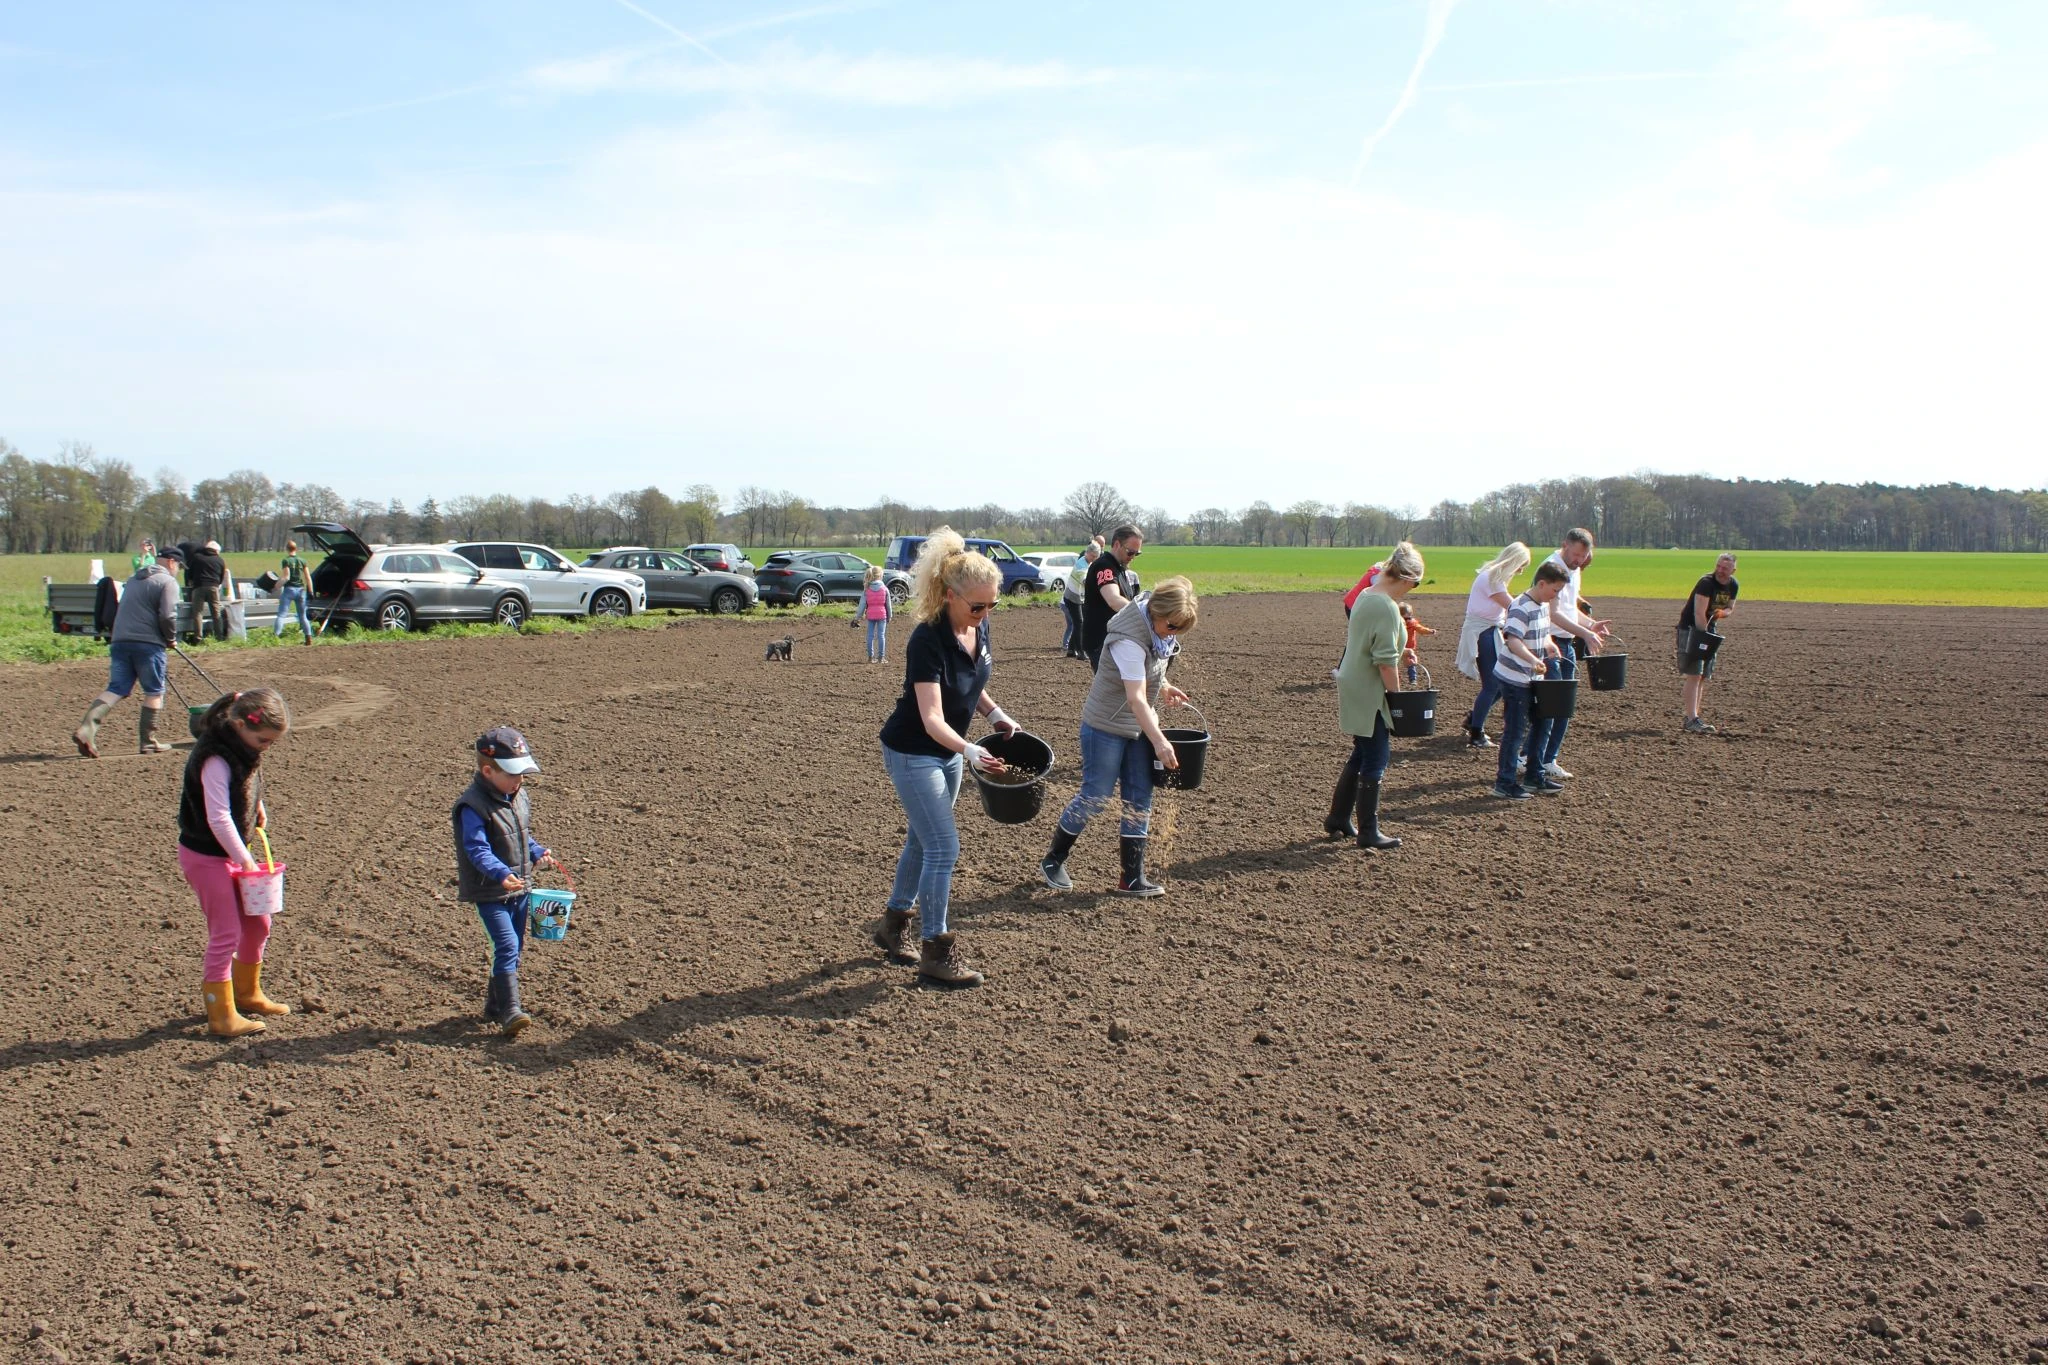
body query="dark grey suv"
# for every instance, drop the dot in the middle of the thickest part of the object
(676, 580)
(399, 587)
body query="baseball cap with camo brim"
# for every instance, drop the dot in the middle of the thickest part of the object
(507, 748)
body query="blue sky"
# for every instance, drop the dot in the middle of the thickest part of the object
(1387, 251)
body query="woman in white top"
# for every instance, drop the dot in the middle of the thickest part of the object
(1479, 640)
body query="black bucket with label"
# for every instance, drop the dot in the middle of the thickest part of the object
(1190, 750)
(1553, 698)
(1016, 795)
(1701, 645)
(1607, 671)
(1414, 710)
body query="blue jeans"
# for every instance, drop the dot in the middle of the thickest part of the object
(1371, 752)
(1565, 667)
(927, 787)
(1071, 641)
(1489, 686)
(290, 600)
(1106, 760)
(878, 640)
(135, 661)
(1515, 719)
(505, 922)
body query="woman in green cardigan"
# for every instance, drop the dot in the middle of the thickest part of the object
(1374, 648)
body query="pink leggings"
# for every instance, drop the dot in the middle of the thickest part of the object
(230, 934)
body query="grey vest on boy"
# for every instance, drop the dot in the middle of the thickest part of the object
(1108, 709)
(506, 824)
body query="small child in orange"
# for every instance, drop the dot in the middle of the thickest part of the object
(1416, 630)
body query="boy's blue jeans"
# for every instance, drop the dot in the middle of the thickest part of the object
(878, 640)
(1564, 667)
(293, 601)
(928, 787)
(505, 922)
(1515, 720)
(1106, 760)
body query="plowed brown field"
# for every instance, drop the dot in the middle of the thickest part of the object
(1734, 1051)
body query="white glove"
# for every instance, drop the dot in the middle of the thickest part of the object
(980, 758)
(999, 719)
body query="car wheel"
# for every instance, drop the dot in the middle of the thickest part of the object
(809, 595)
(1021, 587)
(728, 601)
(395, 615)
(899, 592)
(610, 603)
(510, 611)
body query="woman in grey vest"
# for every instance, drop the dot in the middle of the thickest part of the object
(1120, 731)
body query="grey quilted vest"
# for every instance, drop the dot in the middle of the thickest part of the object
(506, 824)
(1107, 708)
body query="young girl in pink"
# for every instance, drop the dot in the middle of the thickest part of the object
(876, 609)
(220, 811)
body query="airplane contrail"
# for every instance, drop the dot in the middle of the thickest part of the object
(1432, 34)
(666, 26)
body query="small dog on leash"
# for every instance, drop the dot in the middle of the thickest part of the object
(783, 649)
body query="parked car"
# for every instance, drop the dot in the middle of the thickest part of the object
(721, 558)
(399, 587)
(675, 580)
(1018, 576)
(809, 577)
(554, 585)
(1053, 567)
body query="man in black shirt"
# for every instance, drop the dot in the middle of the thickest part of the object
(1108, 588)
(1713, 597)
(205, 571)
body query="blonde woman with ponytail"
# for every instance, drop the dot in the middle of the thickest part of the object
(1486, 606)
(946, 667)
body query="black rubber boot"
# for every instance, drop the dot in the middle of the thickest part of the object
(1053, 866)
(512, 1019)
(1369, 836)
(494, 1000)
(1337, 824)
(1134, 882)
(889, 936)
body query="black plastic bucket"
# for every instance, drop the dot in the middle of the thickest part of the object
(1011, 801)
(1553, 698)
(1191, 747)
(1700, 645)
(1608, 672)
(1414, 711)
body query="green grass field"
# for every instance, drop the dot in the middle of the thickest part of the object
(1963, 580)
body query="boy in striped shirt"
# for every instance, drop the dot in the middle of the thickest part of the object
(1523, 657)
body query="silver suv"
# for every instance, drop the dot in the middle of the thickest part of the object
(399, 587)
(555, 586)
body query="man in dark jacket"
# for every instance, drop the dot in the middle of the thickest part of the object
(205, 571)
(144, 628)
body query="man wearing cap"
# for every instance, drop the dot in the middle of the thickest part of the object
(145, 626)
(205, 571)
(495, 855)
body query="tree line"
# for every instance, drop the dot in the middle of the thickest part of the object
(82, 502)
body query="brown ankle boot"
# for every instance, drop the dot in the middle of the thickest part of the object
(889, 934)
(938, 964)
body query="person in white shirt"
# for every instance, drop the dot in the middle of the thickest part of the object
(1575, 633)
(1486, 606)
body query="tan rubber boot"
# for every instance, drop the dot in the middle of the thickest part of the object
(889, 934)
(249, 996)
(223, 1020)
(938, 964)
(145, 732)
(87, 735)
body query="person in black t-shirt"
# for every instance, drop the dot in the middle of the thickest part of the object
(946, 667)
(1712, 599)
(1108, 588)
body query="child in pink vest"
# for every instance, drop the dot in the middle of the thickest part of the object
(875, 609)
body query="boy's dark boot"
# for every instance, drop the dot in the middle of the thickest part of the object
(87, 735)
(1369, 835)
(941, 966)
(889, 935)
(1134, 882)
(513, 1019)
(1053, 866)
(494, 999)
(1337, 824)
(145, 732)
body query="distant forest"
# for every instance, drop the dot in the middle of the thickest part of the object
(81, 502)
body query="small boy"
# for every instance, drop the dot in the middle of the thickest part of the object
(495, 855)
(1416, 630)
(1525, 643)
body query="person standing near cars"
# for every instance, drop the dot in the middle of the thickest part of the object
(1712, 599)
(295, 590)
(205, 571)
(145, 627)
(876, 609)
(946, 668)
(1575, 633)
(1071, 597)
(1108, 588)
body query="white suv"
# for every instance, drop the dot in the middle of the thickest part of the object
(554, 585)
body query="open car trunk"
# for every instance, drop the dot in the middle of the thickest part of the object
(345, 551)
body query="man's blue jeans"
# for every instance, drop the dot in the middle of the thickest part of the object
(505, 922)
(1106, 760)
(1489, 685)
(1565, 667)
(288, 600)
(927, 787)
(1515, 720)
(1071, 641)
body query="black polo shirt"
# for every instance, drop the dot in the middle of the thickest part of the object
(1095, 612)
(933, 655)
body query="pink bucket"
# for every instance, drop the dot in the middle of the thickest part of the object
(262, 891)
